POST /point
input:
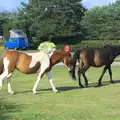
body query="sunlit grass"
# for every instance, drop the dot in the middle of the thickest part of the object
(71, 103)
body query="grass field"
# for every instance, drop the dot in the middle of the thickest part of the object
(71, 103)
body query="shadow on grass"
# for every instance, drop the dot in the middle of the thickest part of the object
(68, 88)
(60, 89)
(105, 83)
(6, 109)
(63, 88)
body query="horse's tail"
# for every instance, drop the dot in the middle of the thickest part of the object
(74, 61)
(1, 66)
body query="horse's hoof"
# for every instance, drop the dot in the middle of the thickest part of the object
(112, 82)
(99, 84)
(56, 91)
(73, 79)
(12, 93)
(34, 92)
(81, 86)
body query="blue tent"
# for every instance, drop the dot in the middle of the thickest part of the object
(18, 39)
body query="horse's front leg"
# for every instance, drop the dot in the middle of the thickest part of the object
(36, 83)
(83, 70)
(79, 78)
(40, 75)
(51, 82)
(85, 78)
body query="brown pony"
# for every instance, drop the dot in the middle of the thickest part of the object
(95, 57)
(31, 63)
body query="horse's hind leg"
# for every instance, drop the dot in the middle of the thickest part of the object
(9, 85)
(2, 77)
(110, 73)
(37, 81)
(5, 73)
(103, 72)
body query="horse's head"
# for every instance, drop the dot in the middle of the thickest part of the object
(62, 56)
(67, 61)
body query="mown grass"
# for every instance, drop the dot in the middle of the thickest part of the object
(71, 103)
(2, 49)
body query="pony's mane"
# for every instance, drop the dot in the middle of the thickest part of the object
(59, 51)
(111, 46)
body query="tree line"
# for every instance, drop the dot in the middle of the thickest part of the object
(63, 21)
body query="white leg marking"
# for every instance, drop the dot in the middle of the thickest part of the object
(45, 62)
(5, 73)
(51, 83)
(43, 68)
(9, 85)
(1, 84)
(36, 83)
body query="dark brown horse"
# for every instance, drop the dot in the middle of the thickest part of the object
(95, 57)
(31, 63)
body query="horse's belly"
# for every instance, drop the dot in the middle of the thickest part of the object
(32, 64)
(28, 70)
(24, 66)
(98, 62)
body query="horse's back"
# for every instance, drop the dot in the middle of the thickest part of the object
(10, 53)
(87, 54)
(95, 57)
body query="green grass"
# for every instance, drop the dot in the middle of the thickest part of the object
(71, 103)
(2, 49)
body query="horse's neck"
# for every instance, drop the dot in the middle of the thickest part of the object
(56, 60)
(116, 51)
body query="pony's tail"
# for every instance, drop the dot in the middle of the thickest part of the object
(74, 61)
(1, 66)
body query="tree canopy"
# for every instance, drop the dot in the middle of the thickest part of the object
(50, 19)
(103, 22)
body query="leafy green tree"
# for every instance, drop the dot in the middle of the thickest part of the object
(52, 18)
(103, 22)
(8, 20)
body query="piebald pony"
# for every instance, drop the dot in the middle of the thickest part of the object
(31, 63)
